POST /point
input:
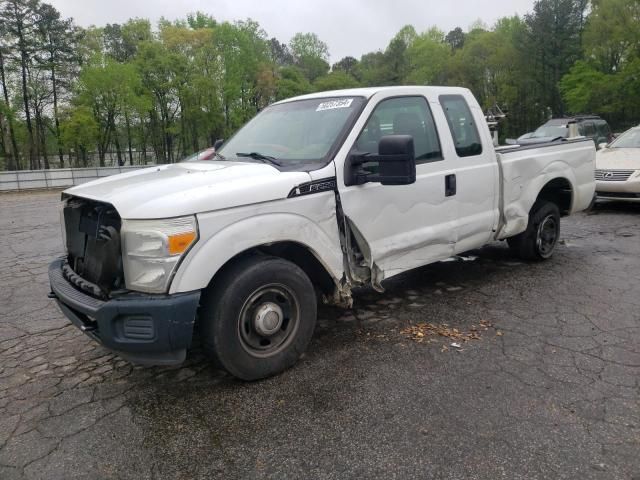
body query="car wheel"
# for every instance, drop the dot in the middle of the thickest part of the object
(539, 240)
(258, 317)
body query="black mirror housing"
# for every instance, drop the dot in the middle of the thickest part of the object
(218, 144)
(396, 163)
(397, 160)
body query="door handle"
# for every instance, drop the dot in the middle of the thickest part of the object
(450, 187)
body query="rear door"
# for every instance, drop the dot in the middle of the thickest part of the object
(410, 225)
(473, 161)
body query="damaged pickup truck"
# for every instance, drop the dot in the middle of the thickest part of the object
(314, 196)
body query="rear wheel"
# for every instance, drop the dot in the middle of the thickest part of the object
(259, 316)
(539, 240)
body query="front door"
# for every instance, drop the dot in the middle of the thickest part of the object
(410, 225)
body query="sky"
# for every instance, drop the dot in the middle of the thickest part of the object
(349, 27)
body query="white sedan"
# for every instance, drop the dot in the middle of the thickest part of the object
(618, 168)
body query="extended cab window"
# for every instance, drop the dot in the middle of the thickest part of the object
(402, 116)
(589, 129)
(462, 125)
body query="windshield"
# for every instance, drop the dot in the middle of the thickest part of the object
(629, 139)
(551, 131)
(294, 133)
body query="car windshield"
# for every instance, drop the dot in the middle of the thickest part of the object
(629, 139)
(551, 131)
(293, 133)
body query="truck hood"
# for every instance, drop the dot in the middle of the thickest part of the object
(618, 159)
(187, 188)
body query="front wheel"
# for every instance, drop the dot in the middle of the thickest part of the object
(539, 240)
(258, 317)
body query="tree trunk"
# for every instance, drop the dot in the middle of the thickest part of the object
(116, 140)
(25, 92)
(15, 154)
(42, 137)
(56, 120)
(128, 124)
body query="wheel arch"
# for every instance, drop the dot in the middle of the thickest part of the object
(314, 245)
(559, 191)
(295, 252)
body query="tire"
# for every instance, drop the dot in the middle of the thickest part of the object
(539, 240)
(258, 317)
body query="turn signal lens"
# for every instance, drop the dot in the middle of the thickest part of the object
(181, 242)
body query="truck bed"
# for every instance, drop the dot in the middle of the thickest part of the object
(525, 170)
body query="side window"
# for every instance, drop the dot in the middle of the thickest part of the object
(603, 130)
(589, 129)
(402, 116)
(462, 125)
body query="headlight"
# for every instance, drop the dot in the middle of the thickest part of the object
(152, 249)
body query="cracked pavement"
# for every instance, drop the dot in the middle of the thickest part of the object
(556, 395)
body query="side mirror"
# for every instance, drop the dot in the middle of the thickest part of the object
(602, 145)
(218, 143)
(396, 163)
(511, 141)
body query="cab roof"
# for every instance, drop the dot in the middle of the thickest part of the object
(369, 92)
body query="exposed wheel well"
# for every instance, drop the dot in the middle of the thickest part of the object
(295, 253)
(558, 191)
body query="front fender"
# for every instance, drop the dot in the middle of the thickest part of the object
(218, 245)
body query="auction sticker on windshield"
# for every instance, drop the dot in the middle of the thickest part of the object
(342, 103)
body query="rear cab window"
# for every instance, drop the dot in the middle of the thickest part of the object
(462, 125)
(589, 129)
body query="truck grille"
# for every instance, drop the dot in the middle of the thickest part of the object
(613, 175)
(92, 232)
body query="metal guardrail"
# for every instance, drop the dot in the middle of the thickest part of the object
(57, 178)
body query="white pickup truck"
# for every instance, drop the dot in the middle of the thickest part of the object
(314, 196)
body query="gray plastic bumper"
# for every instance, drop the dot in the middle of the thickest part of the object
(145, 329)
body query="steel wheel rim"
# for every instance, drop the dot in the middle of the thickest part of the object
(253, 323)
(547, 236)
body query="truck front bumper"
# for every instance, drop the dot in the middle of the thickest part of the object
(144, 329)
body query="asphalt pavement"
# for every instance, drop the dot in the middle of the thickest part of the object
(481, 368)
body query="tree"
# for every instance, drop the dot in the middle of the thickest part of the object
(79, 132)
(18, 22)
(280, 53)
(58, 40)
(455, 38)
(8, 115)
(108, 89)
(291, 83)
(347, 65)
(606, 81)
(310, 54)
(553, 45)
(335, 81)
(427, 58)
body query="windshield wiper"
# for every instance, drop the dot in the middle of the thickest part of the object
(260, 156)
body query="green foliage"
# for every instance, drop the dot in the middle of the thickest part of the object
(607, 81)
(335, 81)
(427, 56)
(79, 129)
(135, 91)
(291, 83)
(310, 54)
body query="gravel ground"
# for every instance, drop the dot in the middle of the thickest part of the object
(551, 388)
